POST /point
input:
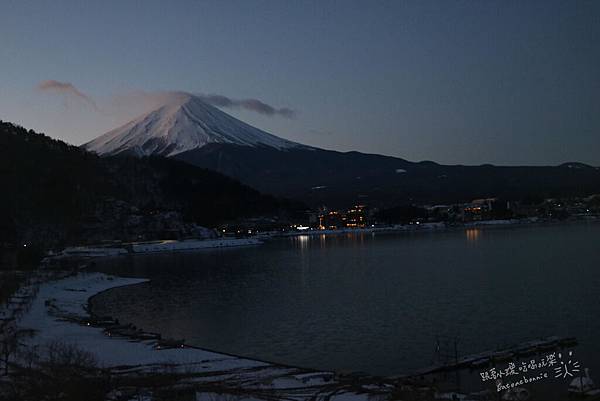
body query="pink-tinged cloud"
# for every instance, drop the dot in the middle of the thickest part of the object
(66, 88)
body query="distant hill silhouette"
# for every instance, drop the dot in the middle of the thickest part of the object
(318, 176)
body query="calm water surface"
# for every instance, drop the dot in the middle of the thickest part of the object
(372, 303)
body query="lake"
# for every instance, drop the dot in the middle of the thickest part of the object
(374, 303)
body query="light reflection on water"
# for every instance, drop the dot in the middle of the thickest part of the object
(372, 303)
(302, 241)
(473, 234)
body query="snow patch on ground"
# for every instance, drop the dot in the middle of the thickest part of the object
(59, 312)
(68, 300)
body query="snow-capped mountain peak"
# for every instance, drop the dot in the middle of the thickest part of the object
(184, 123)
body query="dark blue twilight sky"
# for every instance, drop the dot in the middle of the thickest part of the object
(505, 82)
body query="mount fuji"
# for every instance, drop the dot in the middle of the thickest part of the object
(189, 129)
(185, 123)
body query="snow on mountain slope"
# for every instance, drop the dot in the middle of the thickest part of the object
(185, 123)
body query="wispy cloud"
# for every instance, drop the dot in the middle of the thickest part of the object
(148, 101)
(255, 105)
(65, 88)
(124, 106)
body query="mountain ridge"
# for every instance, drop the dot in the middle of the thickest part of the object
(342, 178)
(199, 134)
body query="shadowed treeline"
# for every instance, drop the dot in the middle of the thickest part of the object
(54, 193)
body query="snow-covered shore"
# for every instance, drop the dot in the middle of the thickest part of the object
(187, 245)
(157, 246)
(258, 239)
(59, 311)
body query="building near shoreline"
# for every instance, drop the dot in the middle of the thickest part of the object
(355, 217)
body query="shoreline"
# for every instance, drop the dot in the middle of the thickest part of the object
(60, 311)
(192, 245)
(63, 310)
(94, 316)
(442, 226)
(149, 247)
